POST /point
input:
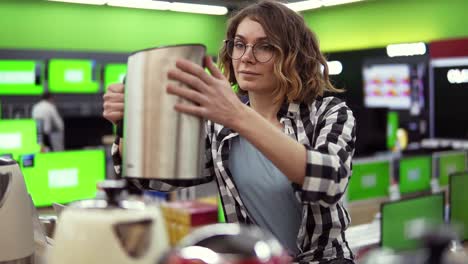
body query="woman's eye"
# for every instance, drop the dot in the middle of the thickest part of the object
(239, 45)
(265, 47)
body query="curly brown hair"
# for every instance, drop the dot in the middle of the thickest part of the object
(298, 62)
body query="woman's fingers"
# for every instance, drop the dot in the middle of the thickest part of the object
(194, 69)
(114, 102)
(113, 111)
(113, 97)
(116, 88)
(190, 109)
(112, 116)
(111, 106)
(212, 68)
(186, 93)
(187, 79)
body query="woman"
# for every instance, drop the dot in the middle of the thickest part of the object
(282, 160)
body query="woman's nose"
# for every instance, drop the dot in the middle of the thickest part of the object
(248, 56)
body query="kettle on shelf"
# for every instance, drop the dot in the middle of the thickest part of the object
(16, 225)
(117, 230)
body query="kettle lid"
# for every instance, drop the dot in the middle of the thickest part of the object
(4, 161)
(115, 198)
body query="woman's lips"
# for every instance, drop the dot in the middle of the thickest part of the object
(249, 73)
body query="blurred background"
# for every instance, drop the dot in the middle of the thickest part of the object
(403, 64)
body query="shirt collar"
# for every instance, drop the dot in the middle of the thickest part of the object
(287, 110)
(290, 110)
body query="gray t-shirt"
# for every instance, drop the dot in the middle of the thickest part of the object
(266, 192)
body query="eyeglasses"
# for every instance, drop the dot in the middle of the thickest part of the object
(262, 51)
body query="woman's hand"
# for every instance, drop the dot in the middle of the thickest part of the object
(114, 103)
(212, 94)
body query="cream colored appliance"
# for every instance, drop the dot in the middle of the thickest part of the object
(115, 230)
(16, 226)
(159, 142)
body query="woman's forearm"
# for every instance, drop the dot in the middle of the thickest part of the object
(285, 153)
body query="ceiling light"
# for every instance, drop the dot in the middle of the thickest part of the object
(337, 2)
(312, 4)
(197, 8)
(304, 5)
(334, 67)
(143, 4)
(406, 49)
(88, 2)
(158, 5)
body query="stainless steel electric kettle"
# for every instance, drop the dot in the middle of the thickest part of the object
(228, 244)
(159, 142)
(16, 225)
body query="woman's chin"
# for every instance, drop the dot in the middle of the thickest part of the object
(248, 86)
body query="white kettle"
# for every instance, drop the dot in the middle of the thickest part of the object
(114, 231)
(16, 225)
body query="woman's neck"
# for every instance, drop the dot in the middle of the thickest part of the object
(265, 106)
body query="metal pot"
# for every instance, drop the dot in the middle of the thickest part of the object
(159, 142)
(228, 244)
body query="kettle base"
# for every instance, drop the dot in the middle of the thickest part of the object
(26, 260)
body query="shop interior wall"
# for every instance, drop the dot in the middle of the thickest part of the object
(38, 24)
(377, 23)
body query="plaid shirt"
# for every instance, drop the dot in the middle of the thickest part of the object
(327, 129)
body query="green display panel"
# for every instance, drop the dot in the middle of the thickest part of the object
(415, 174)
(403, 221)
(63, 177)
(72, 76)
(18, 136)
(459, 202)
(449, 163)
(221, 218)
(21, 77)
(392, 128)
(370, 179)
(114, 73)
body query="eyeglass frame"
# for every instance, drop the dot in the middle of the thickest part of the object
(226, 41)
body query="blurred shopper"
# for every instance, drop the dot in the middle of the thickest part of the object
(50, 122)
(282, 159)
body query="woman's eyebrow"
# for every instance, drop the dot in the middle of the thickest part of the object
(256, 40)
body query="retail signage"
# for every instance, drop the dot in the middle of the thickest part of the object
(457, 75)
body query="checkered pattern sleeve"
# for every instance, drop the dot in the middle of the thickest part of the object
(116, 158)
(328, 167)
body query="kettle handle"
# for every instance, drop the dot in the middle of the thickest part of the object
(113, 189)
(120, 123)
(5, 179)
